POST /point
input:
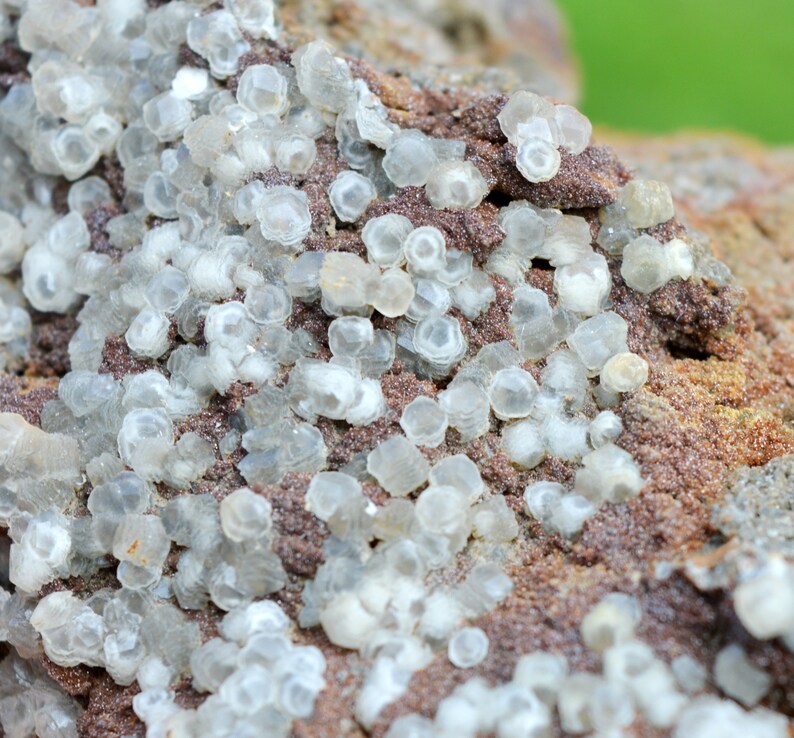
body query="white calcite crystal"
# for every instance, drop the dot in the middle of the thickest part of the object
(48, 266)
(455, 185)
(283, 215)
(168, 289)
(647, 203)
(213, 663)
(764, 600)
(599, 338)
(384, 238)
(147, 335)
(690, 674)
(583, 286)
(710, 716)
(611, 621)
(424, 422)
(75, 153)
(604, 428)
(167, 115)
(522, 109)
(144, 439)
(394, 293)
(431, 299)
(649, 265)
(512, 392)
(245, 515)
(141, 545)
(542, 498)
(461, 472)
(523, 444)
(190, 83)
(72, 633)
(262, 89)
(42, 553)
(458, 267)
(409, 159)
(346, 282)
(468, 408)
(350, 194)
(440, 341)
(217, 37)
(29, 452)
(425, 251)
(570, 514)
(494, 521)
(468, 647)
(295, 153)
(624, 372)
(575, 129)
(322, 77)
(609, 473)
(398, 466)
(256, 17)
(442, 511)
(538, 160)
(474, 294)
(349, 336)
(12, 243)
(268, 304)
(739, 678)
(542, 672)
(317, 388)
(532, 322)
(333, 493)
(565, 376)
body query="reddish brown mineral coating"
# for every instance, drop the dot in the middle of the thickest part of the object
(49, 346)
(119, 361)
(97, 220)
(26, 395)
(13, 65)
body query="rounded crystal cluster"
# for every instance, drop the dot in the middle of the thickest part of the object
(633, 683)
(265, 323)
(538, 129)
(642, 204)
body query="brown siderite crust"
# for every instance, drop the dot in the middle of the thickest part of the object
(49, 345)
(26, 395)
(97, 221)
(118, 361)
(13, 65)
(705, 411)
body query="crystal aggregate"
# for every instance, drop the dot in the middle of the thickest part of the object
(206, 296)
(545, 691)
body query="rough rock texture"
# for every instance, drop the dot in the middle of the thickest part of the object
(508, 43)
(720, 397)
(739, 195)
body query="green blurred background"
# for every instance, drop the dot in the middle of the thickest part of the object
(666, 65)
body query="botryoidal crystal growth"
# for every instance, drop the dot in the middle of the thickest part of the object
(216, 247)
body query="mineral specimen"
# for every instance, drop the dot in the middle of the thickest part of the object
(313, 331)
